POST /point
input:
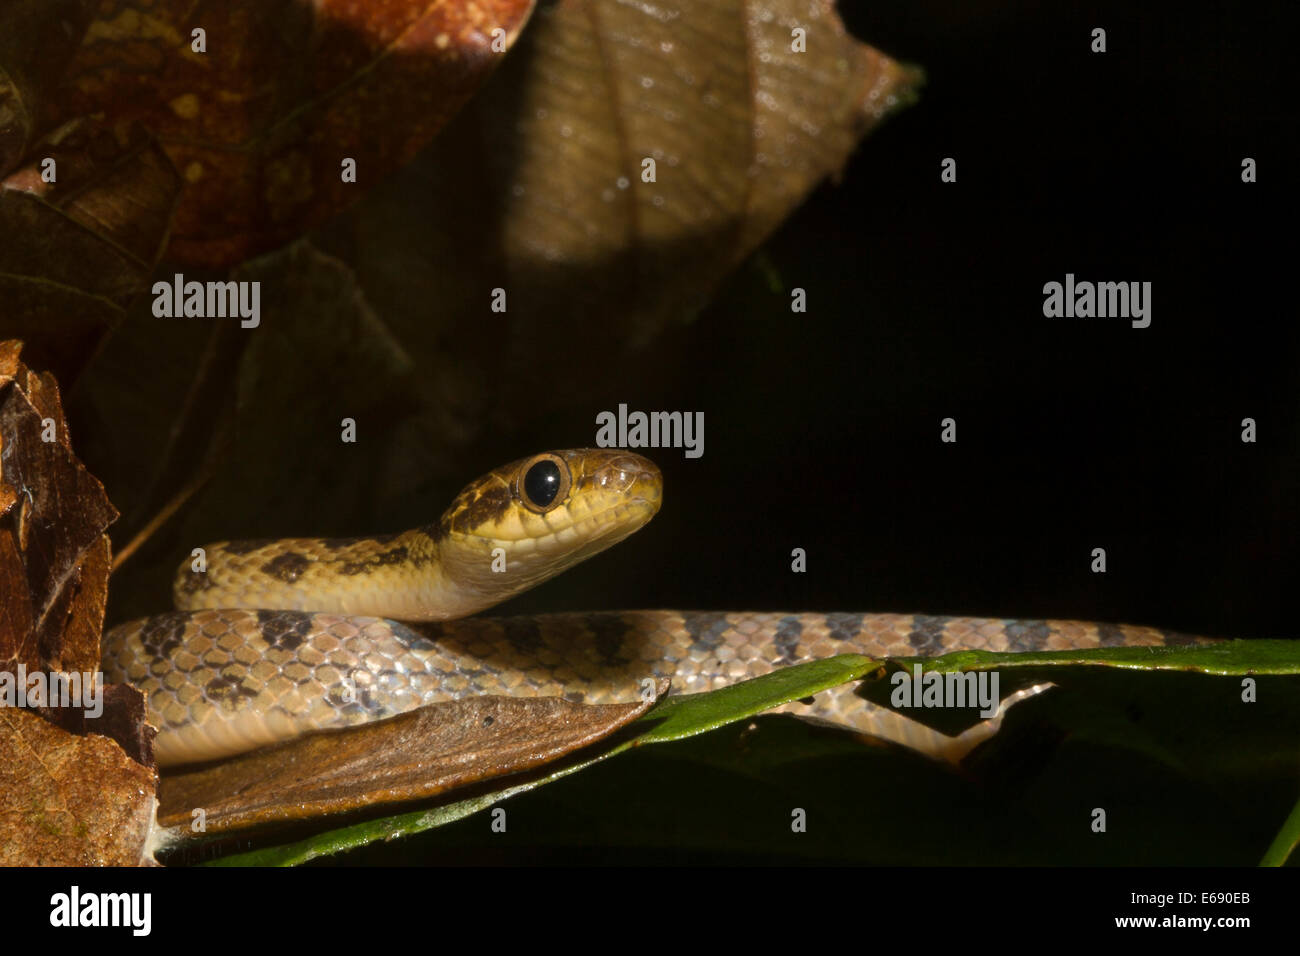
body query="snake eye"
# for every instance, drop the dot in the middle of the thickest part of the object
(543, 482)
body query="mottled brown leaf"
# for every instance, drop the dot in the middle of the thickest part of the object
(68, 793)
(54, 552)
(70, 801)
(73, 253)
(53, 549)
(414, 756)
(259, 123)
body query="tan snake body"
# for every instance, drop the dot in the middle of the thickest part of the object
(284, 637)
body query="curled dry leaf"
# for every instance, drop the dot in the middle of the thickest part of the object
(53, 516)
(68, 793)
(414, 756)
(540, 185)
(75, 252)
(261, 118)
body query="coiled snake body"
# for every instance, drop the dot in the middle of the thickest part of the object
(278, 638)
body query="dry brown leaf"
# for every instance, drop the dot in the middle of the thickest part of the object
(53, 546)
(259, 123)
(414, 756)
(115, 183)
(75, 252)
(70, 801)
(537, 187)
(68, 792)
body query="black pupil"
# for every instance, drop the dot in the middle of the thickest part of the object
(542, 482)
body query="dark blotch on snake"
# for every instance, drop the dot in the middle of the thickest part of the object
(844, 627)
(393, 556)
(1027, 635)
(162, 633)
(786, 639)
(485, 502)
(413, 640)
(228, 688)
(286, 567)
(1110, 635)
(927, 633)
(432, 631)
(284, 629)
(705, 628)
(610, 631)
(523, 634)
(1176, 638)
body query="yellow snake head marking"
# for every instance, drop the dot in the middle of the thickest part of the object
(546, 513)
(506, 532)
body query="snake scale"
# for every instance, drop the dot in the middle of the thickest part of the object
(274, 639)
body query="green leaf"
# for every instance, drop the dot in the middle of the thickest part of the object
(675, 718)
(1205, 760)
(1230, 658)
(691, 714)
(1288, 838)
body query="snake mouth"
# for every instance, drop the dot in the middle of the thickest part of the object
(607, 526)
(615, 522)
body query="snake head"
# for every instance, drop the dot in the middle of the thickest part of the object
(545, 514)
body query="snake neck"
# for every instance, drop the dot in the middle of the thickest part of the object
(400, 575)
(507, 532)
(426, 574)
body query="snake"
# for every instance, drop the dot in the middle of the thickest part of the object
(274, 639)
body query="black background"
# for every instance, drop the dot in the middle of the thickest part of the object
(925, 301)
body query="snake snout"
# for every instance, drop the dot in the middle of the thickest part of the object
(634, 477)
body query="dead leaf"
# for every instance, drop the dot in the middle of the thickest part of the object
(69, 793)
(260, 122)
(74, 253)
(537, 187)
(53, 546)
(414, 756)
(70, 801)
